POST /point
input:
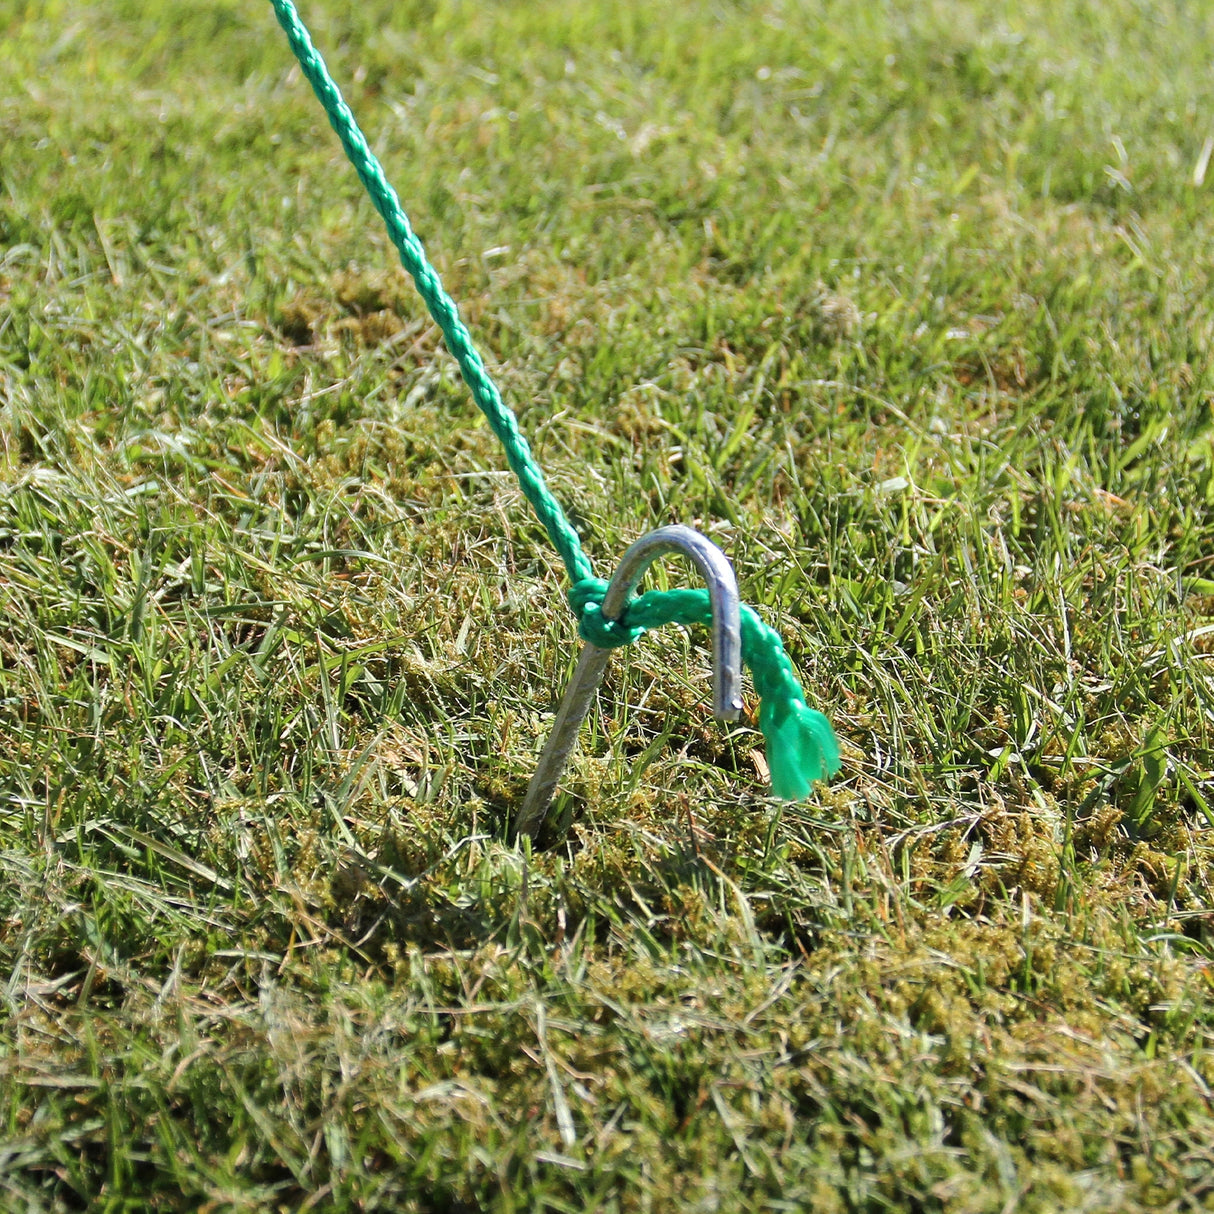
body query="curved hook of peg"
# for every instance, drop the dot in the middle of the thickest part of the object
(592, 664)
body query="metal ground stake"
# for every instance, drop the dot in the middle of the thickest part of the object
(592, 664)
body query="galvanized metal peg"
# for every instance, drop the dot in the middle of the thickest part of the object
(723, 596)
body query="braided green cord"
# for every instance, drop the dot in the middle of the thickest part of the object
(440, 304)
(801, 746)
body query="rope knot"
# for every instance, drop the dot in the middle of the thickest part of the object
(586, 599)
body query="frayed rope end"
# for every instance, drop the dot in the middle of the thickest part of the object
(801, 748)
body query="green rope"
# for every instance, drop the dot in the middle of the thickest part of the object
(801, 746)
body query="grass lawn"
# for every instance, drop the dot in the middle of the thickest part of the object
(908, 306)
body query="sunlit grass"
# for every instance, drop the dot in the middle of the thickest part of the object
(908, 307)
